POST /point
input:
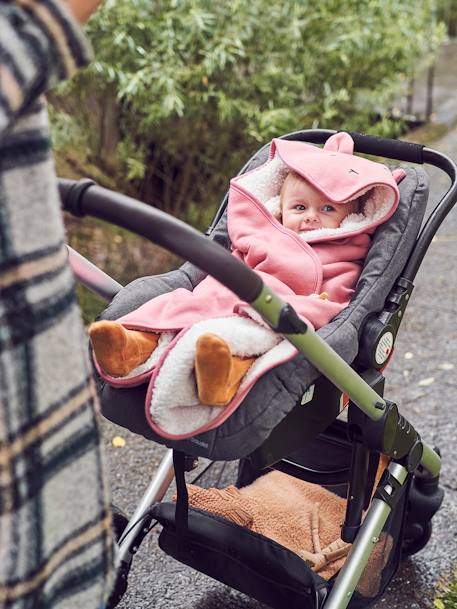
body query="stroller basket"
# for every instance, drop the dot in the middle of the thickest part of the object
(375, 516)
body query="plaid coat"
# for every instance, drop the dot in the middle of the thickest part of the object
(55, 534)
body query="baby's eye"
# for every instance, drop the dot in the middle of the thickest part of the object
(328, 208)
(300, 207)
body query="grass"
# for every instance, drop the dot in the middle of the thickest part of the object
(426, 134)
(447, 597)
(90, 304)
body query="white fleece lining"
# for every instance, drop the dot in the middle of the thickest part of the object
(174, 406)
(266, 181)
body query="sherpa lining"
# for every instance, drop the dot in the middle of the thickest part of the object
(185, 414)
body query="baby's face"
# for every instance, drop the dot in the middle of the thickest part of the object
(304, 208)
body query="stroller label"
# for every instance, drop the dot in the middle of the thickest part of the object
(199, 442)
(384, 348)
(308, 395)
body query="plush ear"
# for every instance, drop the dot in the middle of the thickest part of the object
(340, 142)
(398, 175)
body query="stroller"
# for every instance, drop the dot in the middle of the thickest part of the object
(297, 429)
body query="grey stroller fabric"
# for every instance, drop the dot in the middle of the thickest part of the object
(276, 393)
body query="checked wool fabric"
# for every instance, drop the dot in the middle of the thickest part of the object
(55, 531)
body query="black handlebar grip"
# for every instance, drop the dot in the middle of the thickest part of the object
(394, 149)
(367, 144)
(163, 229)
(72, 193)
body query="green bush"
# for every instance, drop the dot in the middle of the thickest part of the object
(447, 12)
(198, 85)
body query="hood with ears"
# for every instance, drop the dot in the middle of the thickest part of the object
(336, 173)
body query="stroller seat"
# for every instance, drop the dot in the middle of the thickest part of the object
(289, 421)
(282, 389)
(277, 392)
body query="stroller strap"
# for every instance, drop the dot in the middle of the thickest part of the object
(182, 496)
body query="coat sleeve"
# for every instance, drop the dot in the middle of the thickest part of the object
(40, 45)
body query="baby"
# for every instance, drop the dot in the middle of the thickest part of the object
(303, 208)
(218, 373)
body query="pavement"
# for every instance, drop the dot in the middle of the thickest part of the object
(426, 349)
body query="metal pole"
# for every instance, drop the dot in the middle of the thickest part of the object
(154, 493)
(366, 539)
(410, 98)
(429, 99)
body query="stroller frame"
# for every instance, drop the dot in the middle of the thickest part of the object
(384, 429)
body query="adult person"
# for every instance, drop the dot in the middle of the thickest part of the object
(55, 536)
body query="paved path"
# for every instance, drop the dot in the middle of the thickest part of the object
(429, 333)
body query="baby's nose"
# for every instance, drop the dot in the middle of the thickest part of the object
(311, 215)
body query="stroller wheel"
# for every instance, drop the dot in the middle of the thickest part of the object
(120, 521)
(120, 586)
(416, 537)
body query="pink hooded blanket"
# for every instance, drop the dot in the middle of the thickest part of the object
(298, 267)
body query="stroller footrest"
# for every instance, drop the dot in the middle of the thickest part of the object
(242, 559)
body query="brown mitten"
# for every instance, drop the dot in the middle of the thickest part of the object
(118, 350)
(218, 372)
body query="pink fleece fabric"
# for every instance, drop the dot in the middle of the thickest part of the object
(297, 270)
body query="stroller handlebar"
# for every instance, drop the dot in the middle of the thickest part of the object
(385, 147)
(85, 197)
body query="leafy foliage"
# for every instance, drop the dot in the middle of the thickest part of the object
(199, 84)
(447, 598)
(447, 12)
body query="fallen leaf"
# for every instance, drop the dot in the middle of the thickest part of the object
(426, 382)
(409, 355)
(118, 442)
(446, 366)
